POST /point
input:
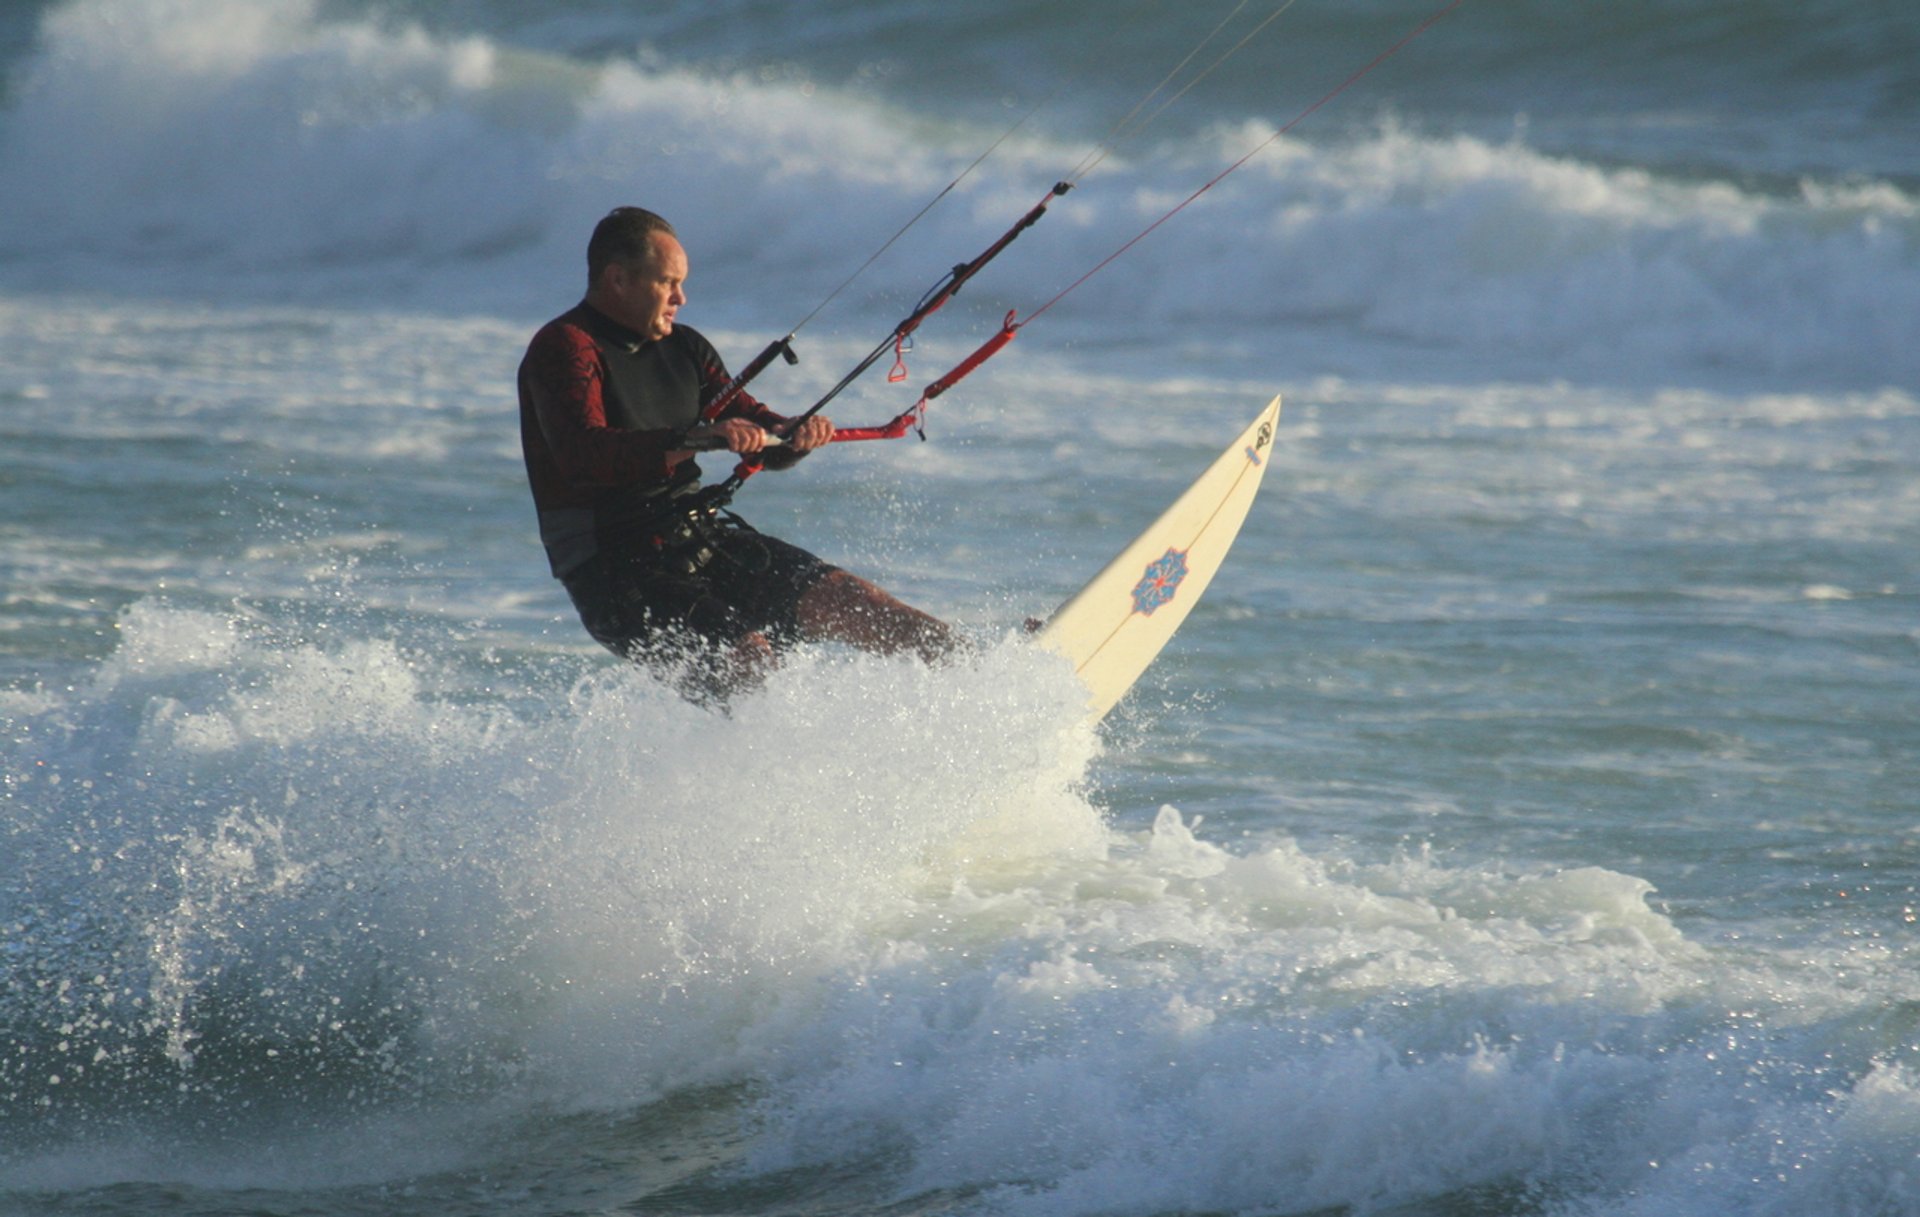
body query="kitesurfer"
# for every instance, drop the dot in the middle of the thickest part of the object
(614, 395)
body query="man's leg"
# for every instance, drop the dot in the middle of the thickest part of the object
(846, 608)
(660, 618)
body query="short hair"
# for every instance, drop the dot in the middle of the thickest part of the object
(624, 234)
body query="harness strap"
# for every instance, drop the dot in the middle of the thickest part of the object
(686, 534)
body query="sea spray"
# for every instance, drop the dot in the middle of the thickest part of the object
(261, 880)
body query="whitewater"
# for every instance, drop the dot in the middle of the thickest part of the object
(1524, 824)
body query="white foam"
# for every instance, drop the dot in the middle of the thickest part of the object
(879, 897)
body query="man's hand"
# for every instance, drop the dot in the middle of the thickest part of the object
(813, 432)
(748, 439)
(808, 434)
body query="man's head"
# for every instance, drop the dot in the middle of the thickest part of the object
(637, 271)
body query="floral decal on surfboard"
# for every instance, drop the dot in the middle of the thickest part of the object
(1161, 580)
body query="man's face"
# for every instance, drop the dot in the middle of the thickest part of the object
(645, 295)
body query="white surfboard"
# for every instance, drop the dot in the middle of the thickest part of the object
(1113, 627)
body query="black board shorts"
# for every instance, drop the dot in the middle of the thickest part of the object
(641, 603)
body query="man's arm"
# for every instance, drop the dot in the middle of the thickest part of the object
(812, 433)
(562, 378)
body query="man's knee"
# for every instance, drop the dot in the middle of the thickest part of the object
(846, 608)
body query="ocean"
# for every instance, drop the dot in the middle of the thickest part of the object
(1524, 824)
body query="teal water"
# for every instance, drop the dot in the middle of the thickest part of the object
(1523, 824)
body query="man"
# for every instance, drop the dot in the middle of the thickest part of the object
(615, 400)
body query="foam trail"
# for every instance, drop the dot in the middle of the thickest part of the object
(256, 878)
(1169, 1026)
(268, 894)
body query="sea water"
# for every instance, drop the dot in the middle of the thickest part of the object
(1523, 824)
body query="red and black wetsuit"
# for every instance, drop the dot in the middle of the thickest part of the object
(601, 406)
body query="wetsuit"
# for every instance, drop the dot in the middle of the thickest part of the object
(601, 406)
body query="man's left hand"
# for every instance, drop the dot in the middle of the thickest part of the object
(813, 432)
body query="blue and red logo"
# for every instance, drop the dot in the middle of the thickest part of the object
(1161, 580)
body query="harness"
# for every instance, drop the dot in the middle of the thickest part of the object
(687, 535)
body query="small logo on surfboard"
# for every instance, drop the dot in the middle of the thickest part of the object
(1260, 441)
(1161, 580)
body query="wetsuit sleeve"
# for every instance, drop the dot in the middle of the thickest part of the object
(563, 381)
